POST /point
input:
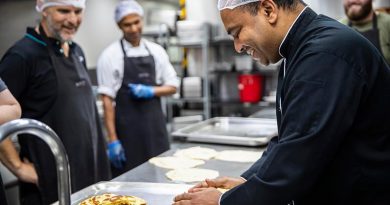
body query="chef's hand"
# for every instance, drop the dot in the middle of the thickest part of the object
(205, 196)
(26, 172)
(220, 182)
(141, 91)
(116, 154)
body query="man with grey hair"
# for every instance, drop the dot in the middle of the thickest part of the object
(133, 73)
(46, 72)
(333, 113)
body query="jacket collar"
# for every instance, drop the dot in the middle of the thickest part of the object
(36, 37)
(294, 34)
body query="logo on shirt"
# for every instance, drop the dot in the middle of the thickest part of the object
(81, 59)
(143, 75)
(116, 75)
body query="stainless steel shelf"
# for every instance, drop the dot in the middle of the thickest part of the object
(182, 100)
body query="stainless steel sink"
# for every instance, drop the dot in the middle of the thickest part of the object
(42, 131)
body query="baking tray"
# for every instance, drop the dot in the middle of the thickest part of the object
(153, 193)
(230, 130)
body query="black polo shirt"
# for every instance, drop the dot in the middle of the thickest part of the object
(27, 70)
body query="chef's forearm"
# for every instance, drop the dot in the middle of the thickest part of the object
(10, 110)
(9, 156)
(164, 90)
(109, 117)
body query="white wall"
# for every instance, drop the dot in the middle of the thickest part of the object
(98, 29)
(331, 8)
(14, 18)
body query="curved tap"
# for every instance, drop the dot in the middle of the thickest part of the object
(44, 132)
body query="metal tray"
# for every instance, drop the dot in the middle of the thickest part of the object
(153, 193)
(230, 130)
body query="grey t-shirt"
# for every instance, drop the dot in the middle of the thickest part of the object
(2, 85)
(2, 194)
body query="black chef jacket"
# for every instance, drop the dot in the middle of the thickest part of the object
(334, 122)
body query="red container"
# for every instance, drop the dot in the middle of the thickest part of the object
(250, 87)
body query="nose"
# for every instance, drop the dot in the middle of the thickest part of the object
(238, 46)
(73, 18)
(133, 28)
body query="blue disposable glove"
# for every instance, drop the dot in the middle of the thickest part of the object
(116, 154)
(141, 91)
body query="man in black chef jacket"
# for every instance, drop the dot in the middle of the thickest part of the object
(9, 110)
(333, 111)
(46, 72)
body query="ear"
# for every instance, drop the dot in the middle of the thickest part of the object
(44, 13)
(270, 10)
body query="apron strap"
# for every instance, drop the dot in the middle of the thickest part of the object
(374, 22)
(123, 48)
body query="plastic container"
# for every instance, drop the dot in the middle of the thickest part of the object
(250, 87)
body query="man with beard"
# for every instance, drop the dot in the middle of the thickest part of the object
(133, 73)
(374, 26)
(46, 72)
(333, 113)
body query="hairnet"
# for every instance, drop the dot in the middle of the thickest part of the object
(127, 7)
(231, 4)
(42, 4)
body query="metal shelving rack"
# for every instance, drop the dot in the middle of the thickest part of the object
(204, 46)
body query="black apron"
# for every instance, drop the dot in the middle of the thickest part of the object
(373, 34)
(140, 124)
(75, 120)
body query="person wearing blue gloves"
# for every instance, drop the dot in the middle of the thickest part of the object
(133, 73)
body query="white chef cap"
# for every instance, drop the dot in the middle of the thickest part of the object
(42, 4)
(127, 7)
(231, 4)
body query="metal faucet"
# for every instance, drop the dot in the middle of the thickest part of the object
(44, 132)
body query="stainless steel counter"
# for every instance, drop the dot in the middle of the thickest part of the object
(149, 182)
(147, 172)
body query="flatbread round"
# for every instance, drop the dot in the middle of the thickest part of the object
(238, 156)
(191, 174)
(175, 162)
(196, 153)
(113, 199)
